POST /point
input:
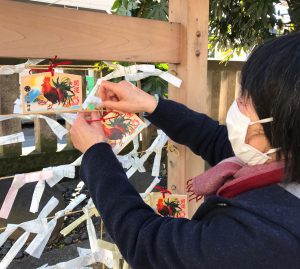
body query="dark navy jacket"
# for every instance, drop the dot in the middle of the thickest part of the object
(256, 229)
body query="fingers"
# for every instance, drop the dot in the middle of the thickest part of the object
(107, 86)
(80, 117)
(94, 115)
(112, 105)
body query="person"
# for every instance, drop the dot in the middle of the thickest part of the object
(251, 214)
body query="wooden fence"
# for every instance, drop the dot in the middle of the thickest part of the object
(223, 85)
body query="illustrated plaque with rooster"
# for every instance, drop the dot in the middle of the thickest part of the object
(44, 93)
(169, 205)
(120, 129)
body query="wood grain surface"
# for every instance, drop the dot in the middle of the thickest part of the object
(30, 30)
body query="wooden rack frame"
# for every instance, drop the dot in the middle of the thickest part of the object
(35, 31)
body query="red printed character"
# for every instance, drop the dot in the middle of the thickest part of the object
(76, 86)
(75, 101)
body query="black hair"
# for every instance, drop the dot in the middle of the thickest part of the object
(271, 77)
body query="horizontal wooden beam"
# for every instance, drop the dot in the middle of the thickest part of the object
(36, 31)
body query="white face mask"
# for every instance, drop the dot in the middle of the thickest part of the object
(237, 125)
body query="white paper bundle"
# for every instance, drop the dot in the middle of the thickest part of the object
(38, 225)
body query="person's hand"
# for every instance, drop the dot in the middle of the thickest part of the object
(125, 97)
(85, 134)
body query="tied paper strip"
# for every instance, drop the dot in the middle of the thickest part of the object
(56, 128)
(88, 256)
(150, 188)
(139, 162)
(89, 99)
(37, 225)
(18, 182)
(19, 68)
(128, 160)
(69, 117)
(59, 172)
(120, 71)
(162, 74)
(11, 139)
(92, 211)
(100, 255)
(37, 196)
(158, 151)
(90, 227)
(38, 244)
(18, 106)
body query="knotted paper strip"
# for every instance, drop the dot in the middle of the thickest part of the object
(88, 256)
(37, 196)
(11, 139)
(69, 117)
(19, 68)
(162, 74)
(38, 244)
(34, 226)
(56, 128)
(59, 172)
(128, 160)
(158, 151)
(139, 162)
(18, 182)
(120, 71)
(150, 188)
(91, 212)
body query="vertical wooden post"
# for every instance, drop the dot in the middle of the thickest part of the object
(193, 16)
(9, 91)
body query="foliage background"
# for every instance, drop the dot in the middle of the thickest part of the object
(235, 26)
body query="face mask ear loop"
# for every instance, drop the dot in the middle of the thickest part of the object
(272, 151)
(261, 121)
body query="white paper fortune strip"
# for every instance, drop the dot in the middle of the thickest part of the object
(88, 256)
(11, 139)
(19, 181)
(152, 186)
(37, 196)
(162, 74)
(18, 106)
(56, 128)
(59, 172)
(12, 69)
(38, 244)
(120, 71)
(77, 222)
(37, 225)
(128, 160)
(158, 151)
(69, 117)
(92, 211)
(91, 96)
(139, 162)
(78, 161)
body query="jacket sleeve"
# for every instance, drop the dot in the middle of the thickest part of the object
(145, 239)
(203, 135)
